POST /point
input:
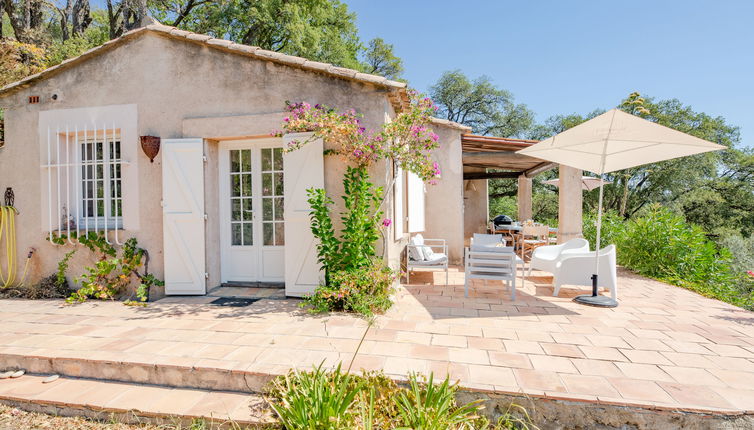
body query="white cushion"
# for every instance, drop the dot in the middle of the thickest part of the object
(438, 259)
(416, 252)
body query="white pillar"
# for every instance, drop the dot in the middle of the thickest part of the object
(524, 198)
(570, 208)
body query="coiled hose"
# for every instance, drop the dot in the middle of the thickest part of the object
(8, 230)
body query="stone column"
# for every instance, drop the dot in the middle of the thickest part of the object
(570, 206)
(524, 198)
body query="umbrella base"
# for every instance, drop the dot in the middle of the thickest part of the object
(599, 301)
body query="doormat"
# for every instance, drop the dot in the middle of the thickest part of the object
(232, 302)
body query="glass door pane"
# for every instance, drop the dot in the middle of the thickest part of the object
(241, 194)
(272, 197)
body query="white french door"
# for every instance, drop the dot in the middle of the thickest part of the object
(252, 227)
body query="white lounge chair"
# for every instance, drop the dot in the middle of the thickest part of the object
(577, 269)
(546, 257)
(420, 253)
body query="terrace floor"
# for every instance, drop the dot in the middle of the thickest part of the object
(663, 347)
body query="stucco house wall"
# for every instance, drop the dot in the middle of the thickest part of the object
(180, 89)
(444, 212)
(476, 205)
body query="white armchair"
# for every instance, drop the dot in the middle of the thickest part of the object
(577, 269)
(546, 257)
(420, 253)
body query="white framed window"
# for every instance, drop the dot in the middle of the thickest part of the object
(89, 172)
(101, 183)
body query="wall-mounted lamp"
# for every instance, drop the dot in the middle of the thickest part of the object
(151, 146)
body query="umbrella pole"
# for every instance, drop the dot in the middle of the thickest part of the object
(595, 299)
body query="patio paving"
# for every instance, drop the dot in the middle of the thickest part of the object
(663, 347)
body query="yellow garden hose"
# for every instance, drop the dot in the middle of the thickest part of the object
(8, 230)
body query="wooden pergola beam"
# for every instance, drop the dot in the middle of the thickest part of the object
(468, 176)
(540, 168)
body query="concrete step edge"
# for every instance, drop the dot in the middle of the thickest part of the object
(29, 399)
(168, 375)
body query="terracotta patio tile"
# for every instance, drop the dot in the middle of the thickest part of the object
(218, 404)
(449, 340)
(491, 375)
(647, 357)
(596, 367)
(470, 356)
(589, 385)
(522, 347)
(426, 352)
(729, 351)
(647, 344)
(608, 341)
(443, 369)
(553, 364)
(244, 354)
(602, 353)
(733, 378)
(509, 359)
(485, 343)
(562, 350)
(692, 376)
(740, 398)
(138, 397)
(404, 366)
(499, 333)
(695, 395)
(570, 338)
(688, 347)
(413, 337)
(465, 330)
(539, 380)
(694, 360)
(634, 389)
(649, 372)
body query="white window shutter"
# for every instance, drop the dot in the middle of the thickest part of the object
(303, 168)
(415, 203)
(398, 213)
(183, 216)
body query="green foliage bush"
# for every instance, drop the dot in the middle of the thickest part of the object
(355, 279)
(365, 290)
(662, 245)
(335, 400)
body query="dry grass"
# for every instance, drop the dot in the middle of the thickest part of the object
(16, 419)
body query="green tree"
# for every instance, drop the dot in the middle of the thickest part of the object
(322, 30)
(481, 105)
(379, 59)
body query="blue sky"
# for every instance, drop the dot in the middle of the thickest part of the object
(560, 57)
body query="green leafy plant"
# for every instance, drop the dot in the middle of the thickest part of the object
(109, 277)
(63, 268)
(316, 400)
(364, 290)
(426, 406)
(662, 245)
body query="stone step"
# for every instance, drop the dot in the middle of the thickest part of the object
(134, 403)
(167, 374)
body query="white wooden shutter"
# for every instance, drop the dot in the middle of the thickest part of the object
(398, 213)
(183, 216)
(303, 168)
(415, 203)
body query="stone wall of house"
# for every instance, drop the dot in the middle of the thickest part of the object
(476, 205)
(444, 213)
(175, 85)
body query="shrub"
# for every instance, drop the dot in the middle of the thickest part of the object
(364, 290)
(662, 245)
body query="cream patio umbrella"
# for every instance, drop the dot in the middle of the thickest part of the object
(588, 183)
(615, 141)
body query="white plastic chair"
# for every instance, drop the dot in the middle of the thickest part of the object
(420, 253)
(546, 257)
(577, 269)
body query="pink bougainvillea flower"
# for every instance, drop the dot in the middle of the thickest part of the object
(751, 273)
(386, 222)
